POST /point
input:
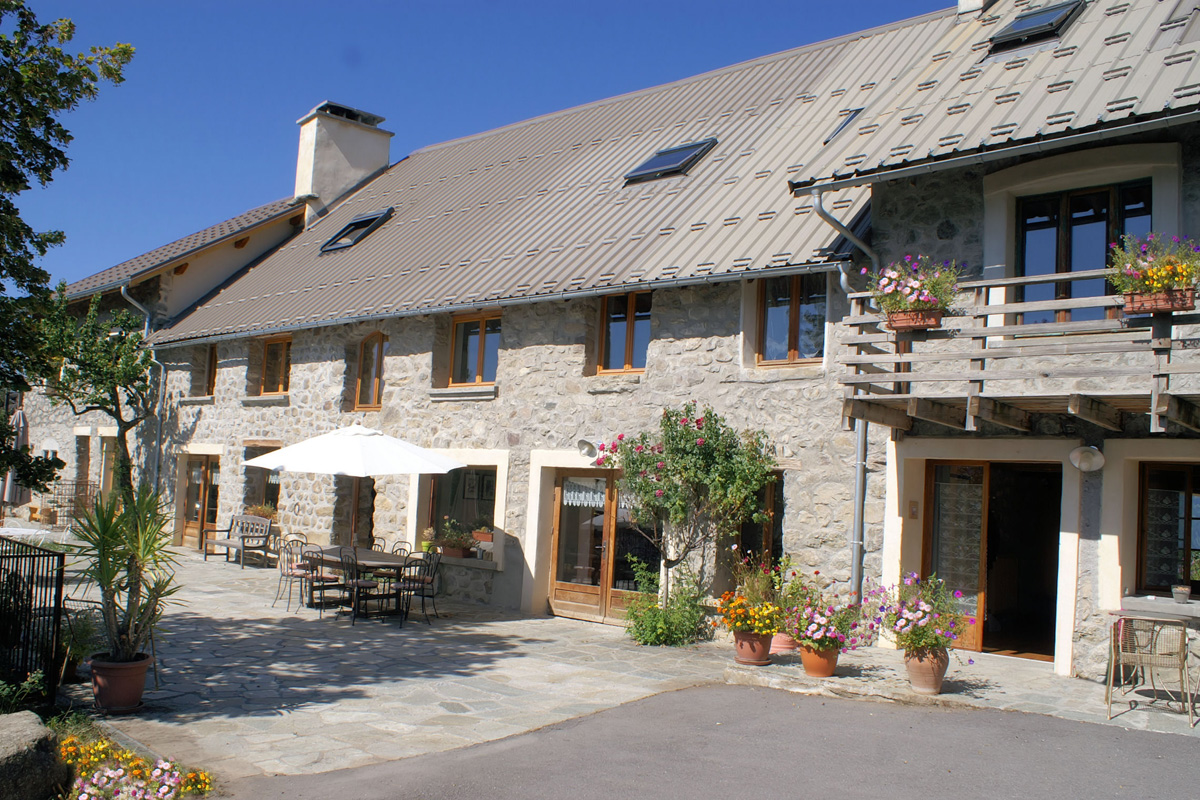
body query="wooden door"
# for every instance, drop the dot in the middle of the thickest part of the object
(591, 576)
(956, 538)
(200, 499)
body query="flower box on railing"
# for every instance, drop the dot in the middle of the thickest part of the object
(915, 319)
(1157, 302)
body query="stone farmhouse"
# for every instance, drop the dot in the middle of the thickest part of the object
(503, 296)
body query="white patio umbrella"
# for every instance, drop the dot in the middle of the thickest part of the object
(11, 492)
(356, 451)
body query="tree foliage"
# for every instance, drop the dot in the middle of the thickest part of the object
(103, 368)
(694, 482)
(39, 81)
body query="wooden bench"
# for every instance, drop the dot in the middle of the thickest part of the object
(245, 533)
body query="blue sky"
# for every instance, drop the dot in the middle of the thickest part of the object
(204, 126)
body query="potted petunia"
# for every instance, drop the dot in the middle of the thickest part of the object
(750, 612)
(1156, 274)
(922, 614)
(915, 292)
(828, 625)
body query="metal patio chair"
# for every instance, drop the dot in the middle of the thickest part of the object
(293, 570)
(1143, 649)
(359, 591)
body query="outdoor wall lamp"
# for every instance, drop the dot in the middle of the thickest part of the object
(588, 448)
(1087, 458)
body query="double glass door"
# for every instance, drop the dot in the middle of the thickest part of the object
(202, 474)
(592, 576)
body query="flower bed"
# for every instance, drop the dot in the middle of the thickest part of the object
(106, 772)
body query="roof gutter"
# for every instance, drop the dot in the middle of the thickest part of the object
(162, 383)
(790, 269)
(861, 428)
(1040, 146)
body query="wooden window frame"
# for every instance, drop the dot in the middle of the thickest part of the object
(285, 374)
(630, 310)
(210, 372)
(1191, 471)
(377, 389)
(793, 358)
(1062, 263)
(483, 319)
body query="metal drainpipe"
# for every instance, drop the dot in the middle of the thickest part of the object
(162, 383)
(857, 537)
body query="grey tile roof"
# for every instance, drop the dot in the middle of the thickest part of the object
(149, 262)
(1120, 61)
(539, 209)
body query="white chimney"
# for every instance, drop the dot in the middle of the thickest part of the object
(340, 147)
(970, 6)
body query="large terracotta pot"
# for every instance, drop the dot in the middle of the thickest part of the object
(753, 649)
(926, 669)
(915, 320)
(783, 643)
(1167, 300)
(457, 552)
(818, 663)
(118, 685)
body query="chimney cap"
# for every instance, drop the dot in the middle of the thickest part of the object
(345, 112)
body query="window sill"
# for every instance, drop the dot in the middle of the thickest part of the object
(197, 400)
(776, 373)
(486, 391)
(613, 382)
(266, 400)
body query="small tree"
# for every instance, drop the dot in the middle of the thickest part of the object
(104, 368)
(693, 483)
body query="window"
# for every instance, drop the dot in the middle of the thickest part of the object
(671, 161)
(757, 538)
(791, 319)
(202, 370)
(210, 372)
(1070, 232)
(276, 364)
(1036, 25)
(849, 117)
(1168, 547)
(467, 496)
(369, 390)
(475, 346)
(356, 230)
(625, 333)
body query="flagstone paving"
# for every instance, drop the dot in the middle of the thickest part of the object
(247, 689)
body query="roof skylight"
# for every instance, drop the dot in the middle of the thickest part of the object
(356, 230)
(671, 161)
(1036, 25)
(849, 117)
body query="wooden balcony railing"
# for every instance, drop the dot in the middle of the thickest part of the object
(984, 365)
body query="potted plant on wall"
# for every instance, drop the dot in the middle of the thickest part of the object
(454, 539)
(481, 528)
(124, 548)
(923, 616)
(915, 292)
(1155, 274)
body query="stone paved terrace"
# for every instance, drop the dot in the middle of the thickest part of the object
(247, 689)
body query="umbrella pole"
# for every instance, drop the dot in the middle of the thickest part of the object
(354, 513)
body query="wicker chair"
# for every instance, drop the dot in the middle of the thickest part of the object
(1141, 649)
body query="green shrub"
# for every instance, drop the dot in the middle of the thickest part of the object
(20, 696)
(681, 621)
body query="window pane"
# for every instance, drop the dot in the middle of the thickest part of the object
(1135, 207)
(466, 353)
(370, 358)
(616, 323)
(1089, 248)
(810, 339)
(641, 329)
(275, 367)
(1164, 519)
(1039, 252)
(777, 303)
(467, 496)
(491, 349)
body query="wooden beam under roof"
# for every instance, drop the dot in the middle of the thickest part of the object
(1000, 413)
(1095, 411)
(941, 413)
(877, 413)
(1178, 410)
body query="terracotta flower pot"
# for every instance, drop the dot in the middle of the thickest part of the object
(783, 643)
(753, 649)
(118, 685)
(915, 320)
(818, 663)
(482, 535)
(1167, 300)
(926, 669)
(457, 552)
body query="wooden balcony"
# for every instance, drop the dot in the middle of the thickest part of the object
(983, 364)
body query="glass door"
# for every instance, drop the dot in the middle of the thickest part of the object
(202, 474)
(956, 538)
